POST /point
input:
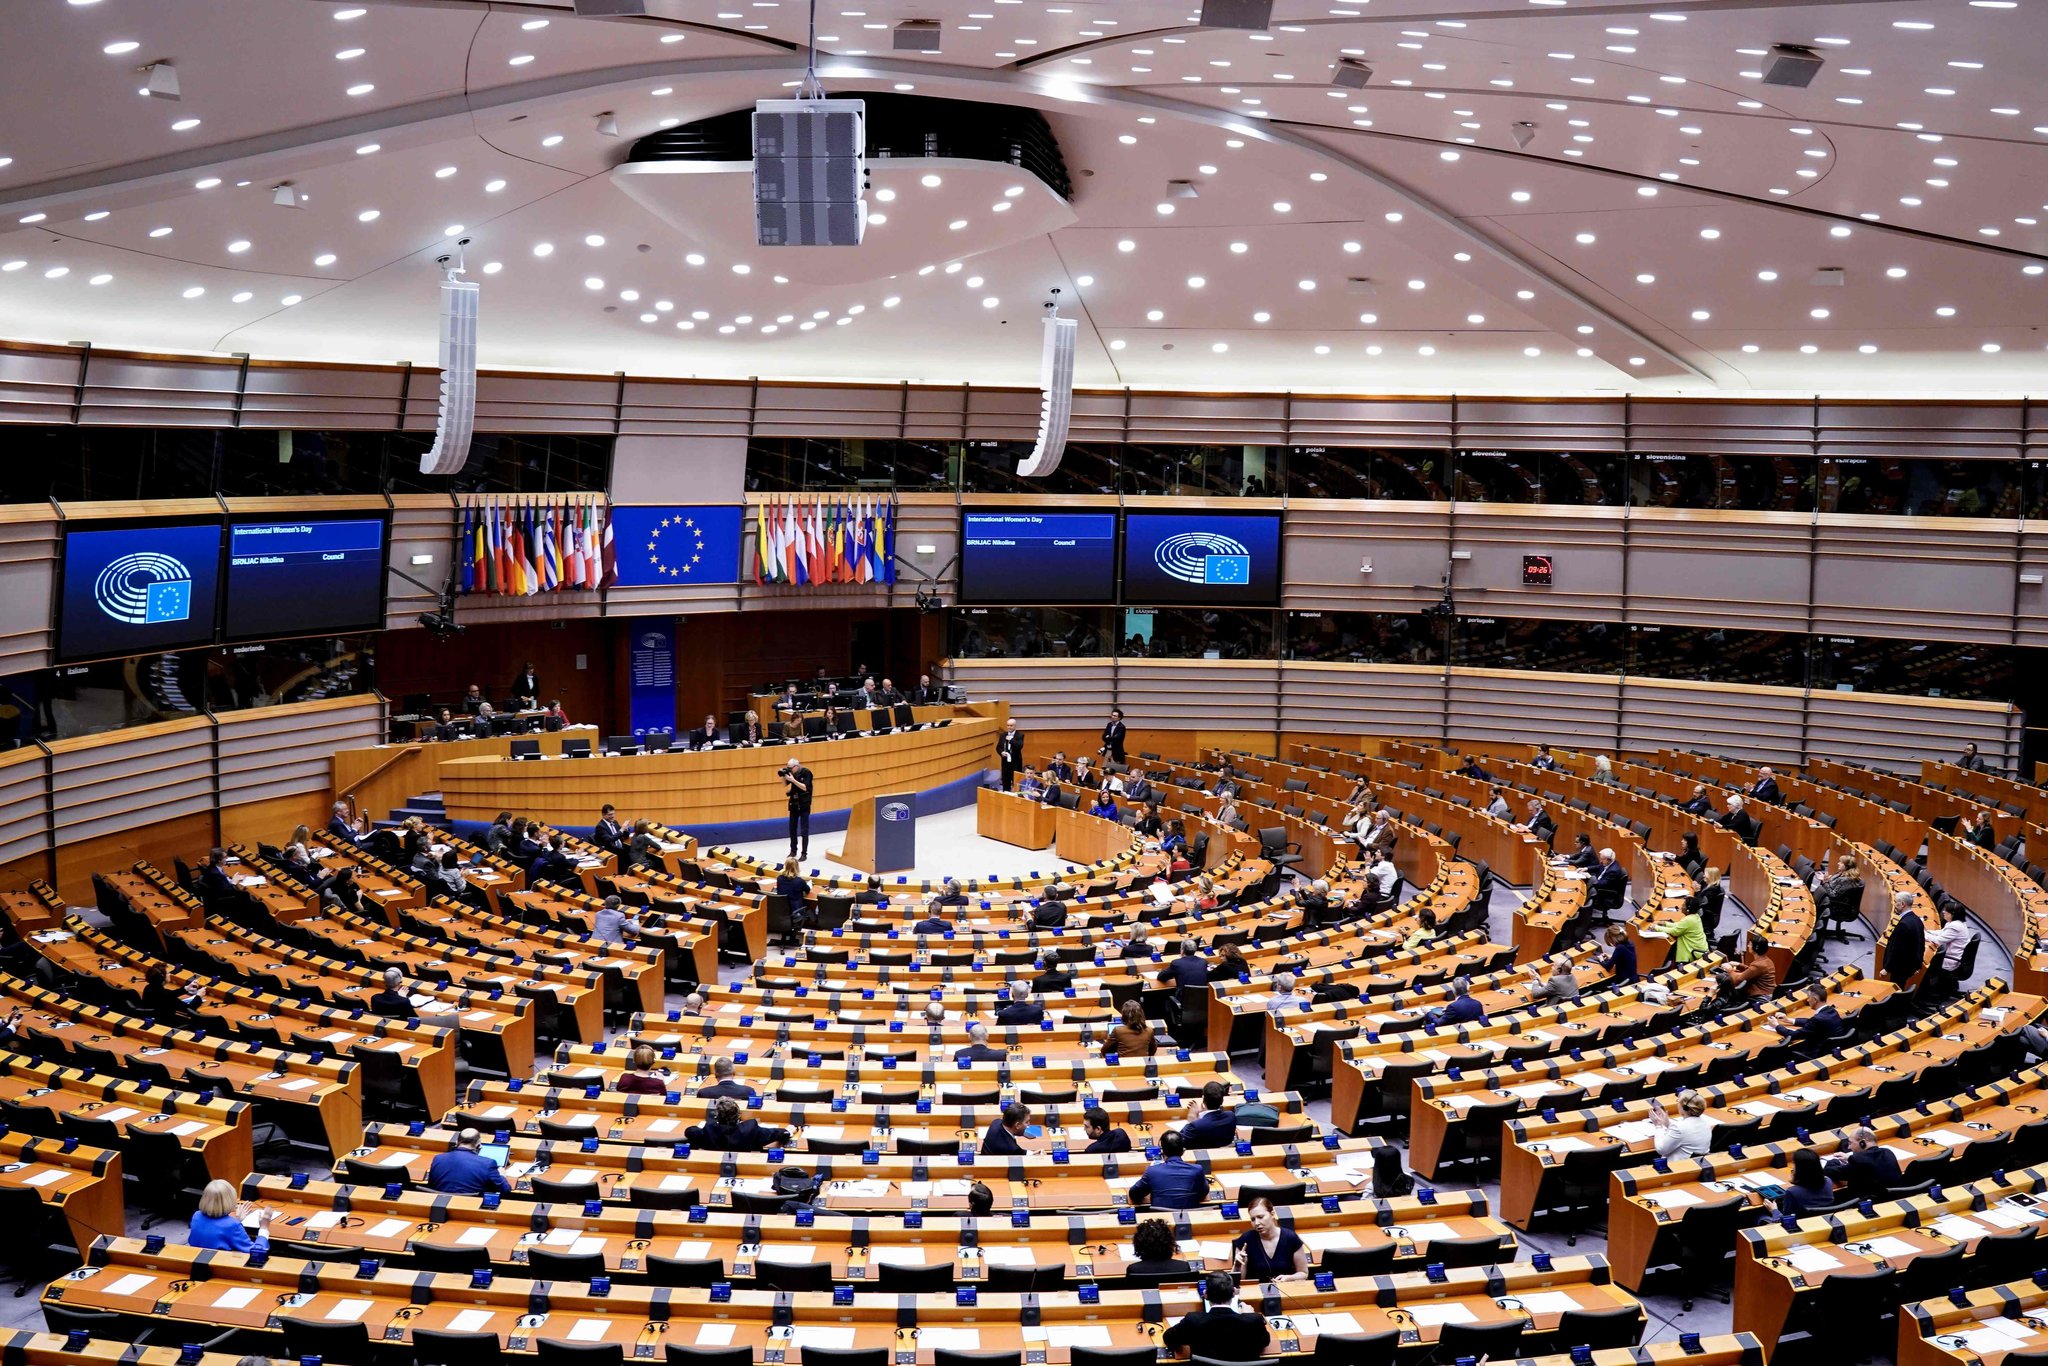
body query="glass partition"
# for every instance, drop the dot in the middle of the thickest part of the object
(1365, 637)
(1582, 479)
(1923, 488)
(1751, 483)
(1029, 632)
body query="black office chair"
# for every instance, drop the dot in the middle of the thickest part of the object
(1706, 1239)
(655, 1197)
(1355, 1349)
(1597, 1328)
(564, 1192)
(62, 1318)
(793, 1276)
(845, 1356)
(913, 1279)
(947, 1356)
(1358, 1261)
(359, 1173)
(680, 1355)
(1488, 1341)
(549, 1265)
(432, 1348)
(1114, 1356)
(345, 1343)
(460, 1260)
(556, 1353)
(683, 1272)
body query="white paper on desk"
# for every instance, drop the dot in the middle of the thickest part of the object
(1959, 1228)
(675, 1181)
(1761, 1108)
(1566, 1144)
(822, 1335)
(663, 1126)
(1892, 1247)
(348, 1311)
(1904, 1154)
(1338, 1176)
(327, 1218)
(191, 1126)
(128, 1285)
(1008, 1256)
(1320, 1324)
(1990, 1336)
(798, 1255)
(831, 1132)
(583, 1247)
(1548, 1302)
(954, 1187)
(476, 1237)
(866, 1188)
(1631, 1131)
(693, 1249)
(1430, 1232)
(384, 1228)
(480, 1015)
(588, 1330)
(471, 1320)
(1530, 1091)
(715, 1334)
(45, 1178)
(2007, 1218)
(1323, 1239)
(582, 1174)
(118, 1114)
(298, 1084)
(1947, 1138)
(237, 1298)
(898, 1256)
(750, 1185)
(1450, 1312)
(1806, 1257)
(1671, 1199)
(1813, 1093)
(1077, 1334)
(2026, 1214)
(420, 999)
(941, 1339)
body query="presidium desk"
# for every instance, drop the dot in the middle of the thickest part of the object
(719, 786)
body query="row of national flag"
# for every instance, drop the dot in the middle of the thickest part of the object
(520, 547)
(824, 539)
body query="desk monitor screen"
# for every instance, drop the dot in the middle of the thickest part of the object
(302, 576)
(1012, 555)
(1213, 559)
(500, 1153)
(526, 749)
(623, 744)
(131, 588)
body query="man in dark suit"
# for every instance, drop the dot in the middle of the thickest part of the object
(1238, 1334)
(933, 923)
(950, 893)
(609, 834)
(1584, 856)
(473, 701)
(1010, 751)
(1905, 946)
(723, 1085)
(927, 693)
(706, 735)
(554, 864)
(1049, 914)
(796, 779)
(1765, 788)
(887, 692)
(1869, 1169)
(392, 1003)
(1610, 883)
(1818, 1030)
(1539, 823)
(728, 1133)
(978, 1048)
(1972, 762)
(525, 689)
(1699, 804)
(215, 884)
(1103, 1135)
(1113, 733)
(1005, 1130)
(1019, 1012)
(1472, 770)
(1051, 977)
(1214, 1124)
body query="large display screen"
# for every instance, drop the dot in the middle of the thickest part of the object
(1208, 558)
(300, 576)
(1023, 555)
(137, 588)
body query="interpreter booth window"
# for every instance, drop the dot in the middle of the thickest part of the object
(1365, 638)
(80, 464)
(1734, 483)
(1917, 667)
(1572, 478)
(796, 464)
(1199, 471)
(991, 467)
(1199, 633)
(1029, 632)
(1915, 487)
(1716, 655)
(1590, 647)
(1407, 474)
(277, 672)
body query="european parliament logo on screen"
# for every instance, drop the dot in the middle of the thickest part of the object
(143, 589)
(134, 589)
(1204, 557)
(1223, 559)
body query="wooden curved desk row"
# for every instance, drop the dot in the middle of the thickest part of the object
(342, 1218)
(226, 1290)
(215, 1130)
(722, 784)
(1534, 1151)
(80, 1185)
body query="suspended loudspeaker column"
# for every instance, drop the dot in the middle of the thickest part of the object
(1056, 403)
(457, 421)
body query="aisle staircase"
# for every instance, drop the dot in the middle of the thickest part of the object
(427, 806)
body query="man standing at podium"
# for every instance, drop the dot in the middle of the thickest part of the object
(1010, 749)
(797, 779)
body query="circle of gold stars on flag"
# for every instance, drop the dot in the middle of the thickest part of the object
(690, 540)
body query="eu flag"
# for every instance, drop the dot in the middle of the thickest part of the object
(673, 545)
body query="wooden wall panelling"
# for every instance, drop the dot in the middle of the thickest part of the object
(1945, 431)
(187, 836)
(522, 401)
(119, 779)
(490, 656)
(657, 407)
(28, 587)
(272, 752)
(1505, 706)
(1542, 424)
(37, 382)
(290, 394)
(421, 524)
(24, 803)
(1938, 578)
(1746, 570)
(270, 820)
(1752, 723)
(1586, 544)
(1331, 420)
(1044, 694)
(1898, 732)
(1199, 694)
(1359, 700)
(1327, 542)
(989, 414)
(2030, 600)
(1722, 426)
(1208, 419)
(127, 390)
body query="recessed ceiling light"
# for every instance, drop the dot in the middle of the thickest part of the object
(1127, 245)
(1282, 206)
(352, 12)
(195, 291)
(56, 272)
(1084, 280)
(1585, 239)
(325, 258)
(1816, 313)
(930, 182)
(124, 46)
(695, 258)
(1646, 279)
(1944, 312)
(493, 267)
(1839, 231)
(97, 214)
(184, 125)
(1710, 233)
(742, 268)
(1393, 218)
(452, 230)
(238, 246)
(1154, 315)
(1700, 315)
(369, 215)
(1418, 284)
(633, 296)
(552, 140)
(1262, 317)
(493, 186)
(361, 90)
(348, 54)
(207, 183)
(1990, 346)
(444, 173)
(1117, 345)
(101, 279)
(1475, 318)
(519, 59)
(1767, 275)
(532, 25)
